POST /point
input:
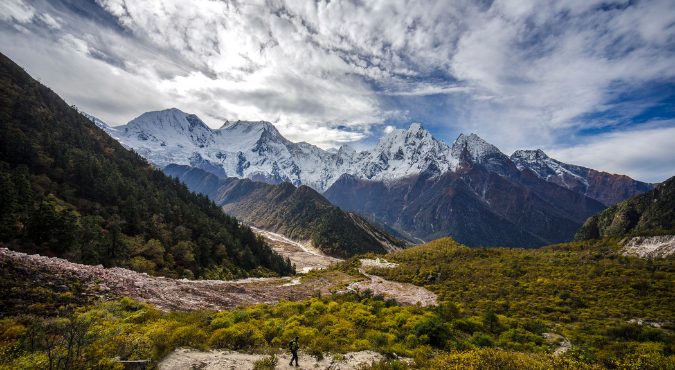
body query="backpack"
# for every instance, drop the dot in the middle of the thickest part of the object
(292, 345)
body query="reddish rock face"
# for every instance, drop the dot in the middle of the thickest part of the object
(611, 189)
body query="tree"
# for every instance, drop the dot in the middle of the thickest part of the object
(490, 318)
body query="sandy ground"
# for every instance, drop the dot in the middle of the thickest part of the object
(302, 255)
(187, 359)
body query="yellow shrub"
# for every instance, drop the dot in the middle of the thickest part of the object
(239, 336)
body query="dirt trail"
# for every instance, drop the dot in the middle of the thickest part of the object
(403, 292)
(182, 359)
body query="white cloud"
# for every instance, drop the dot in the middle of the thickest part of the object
(643, 154)
(544, 65)
(520, 73)
(389, 129)
(16, 9)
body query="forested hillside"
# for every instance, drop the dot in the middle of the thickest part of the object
(299, 213)
(68, 189)
(650, 213)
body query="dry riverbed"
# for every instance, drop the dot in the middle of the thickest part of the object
(185, 295)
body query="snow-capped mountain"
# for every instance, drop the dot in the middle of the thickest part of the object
(569, 176)
(419, 186)
(473, 149)
(602, 186)
(256, 150)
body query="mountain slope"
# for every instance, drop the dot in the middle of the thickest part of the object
(299, 213)
(68, 189)
(474, 205)
(648, 213)
(601, 186)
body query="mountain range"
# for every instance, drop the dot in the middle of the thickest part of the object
(299, 213)
(410, 182)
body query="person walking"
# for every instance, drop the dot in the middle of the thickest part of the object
(294, 346)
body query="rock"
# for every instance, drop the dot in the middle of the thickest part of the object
(63, 288)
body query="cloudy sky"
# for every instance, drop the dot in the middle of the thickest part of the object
(589, 82)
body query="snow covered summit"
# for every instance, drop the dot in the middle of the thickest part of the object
(257, 150)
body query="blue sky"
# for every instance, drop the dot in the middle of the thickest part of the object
(590, 82)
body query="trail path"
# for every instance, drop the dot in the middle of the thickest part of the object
(182, 359)
(403, 292)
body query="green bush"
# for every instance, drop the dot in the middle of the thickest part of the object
(482, 340)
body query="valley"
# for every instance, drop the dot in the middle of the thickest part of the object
(304, 257)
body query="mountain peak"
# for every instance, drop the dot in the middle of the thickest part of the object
(415, 127)
(246, 127)
(170, 126)
(476, 147)
(528, 154)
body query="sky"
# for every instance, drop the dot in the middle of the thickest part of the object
(589, 82)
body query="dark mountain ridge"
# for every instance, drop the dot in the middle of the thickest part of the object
(474, 205)
(299, 213)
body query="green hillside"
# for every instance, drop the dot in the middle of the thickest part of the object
(586, 292)
(67, 189)
(298, 213)
(649, 213)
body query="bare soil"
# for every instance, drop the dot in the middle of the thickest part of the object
(182, 359)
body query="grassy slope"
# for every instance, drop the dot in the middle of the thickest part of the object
(587, 289)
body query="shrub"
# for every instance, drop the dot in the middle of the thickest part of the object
(221, 322)
(188, 336)
(240, 316)
(434, 329)
(482, 340)
(239, 336)
(266, 363)
(411, 341)
(536, 327)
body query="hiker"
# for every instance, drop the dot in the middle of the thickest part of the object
(293, 346)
